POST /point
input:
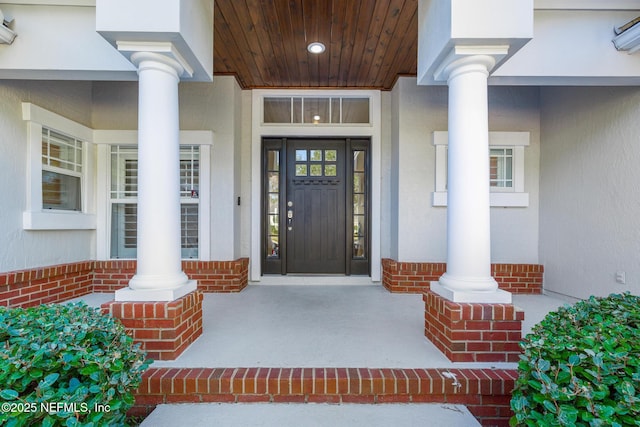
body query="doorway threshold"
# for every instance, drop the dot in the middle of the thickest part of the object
(314, 280)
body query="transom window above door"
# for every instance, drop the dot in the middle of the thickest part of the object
(315, 110)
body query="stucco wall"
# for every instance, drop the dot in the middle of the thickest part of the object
(421, 228)
(22, 249)
(590, 193)
(203, 106)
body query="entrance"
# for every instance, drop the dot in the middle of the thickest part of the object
(315, 206)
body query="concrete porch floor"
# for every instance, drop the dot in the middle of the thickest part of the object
(320, 325)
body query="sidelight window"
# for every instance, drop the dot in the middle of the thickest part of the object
(273, 204)
(359, 204)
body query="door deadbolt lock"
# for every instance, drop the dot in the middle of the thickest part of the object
(290, 203)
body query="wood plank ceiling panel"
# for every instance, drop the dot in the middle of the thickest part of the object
(263, 42)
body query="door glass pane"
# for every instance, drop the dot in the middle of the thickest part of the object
(273, 245)
(273, 203)
(316, 170)
(358, 161)
(358, 236)
(358, 247)
(301, 170)
(273, 160)
(301, 155)
(330, 155)
(330, 170)
(358, 204)
(274, 181)
(315, 155)
(358, 182)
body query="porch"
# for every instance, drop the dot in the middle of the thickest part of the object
(327, 343)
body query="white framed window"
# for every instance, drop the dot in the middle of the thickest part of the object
(124, 198)
(60, 187)
(120, 187)
(506, 173)
(501, 168)
(61, 171)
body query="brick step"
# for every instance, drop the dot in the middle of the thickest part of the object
(485, 392)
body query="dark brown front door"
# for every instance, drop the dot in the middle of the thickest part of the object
(315, 207)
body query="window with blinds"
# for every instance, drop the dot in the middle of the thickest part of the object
(124, 193)
(61, 171)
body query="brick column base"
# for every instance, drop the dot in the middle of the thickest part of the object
(164, 329)
(470, 332)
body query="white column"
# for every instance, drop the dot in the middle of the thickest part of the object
(468, 277)
(159, 275)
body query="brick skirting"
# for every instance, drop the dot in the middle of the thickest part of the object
(472, 332)
(164, 329)
(415, 277)
(27, 288)
(486, 392)
(219, 276)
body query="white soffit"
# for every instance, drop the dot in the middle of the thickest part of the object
(586, 5)
(91, 3)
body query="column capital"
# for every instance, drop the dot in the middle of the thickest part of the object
(461, 59)
(159, 55)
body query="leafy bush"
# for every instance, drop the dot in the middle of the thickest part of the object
(66, 365)
(581, 366)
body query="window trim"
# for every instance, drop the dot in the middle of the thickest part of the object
(512, 197)
(35, 217)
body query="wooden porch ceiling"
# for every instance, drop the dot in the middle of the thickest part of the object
(369, 43)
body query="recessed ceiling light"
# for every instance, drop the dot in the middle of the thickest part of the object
(316, 47)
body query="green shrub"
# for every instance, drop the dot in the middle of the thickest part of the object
(581, 366)
(66, 365)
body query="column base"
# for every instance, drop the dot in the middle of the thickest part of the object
(164, 329)
(128, 294)
(497, 296)
(473, 332)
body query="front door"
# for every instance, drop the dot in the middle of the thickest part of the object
(315, 206)
(315, 216)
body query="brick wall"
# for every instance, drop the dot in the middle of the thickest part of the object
(415, 277)
(26, 288)
(164, 329)
(109, 276)
(486, 392)
(219, 276)
(471, 332)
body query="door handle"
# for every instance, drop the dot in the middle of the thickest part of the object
(290, 216)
